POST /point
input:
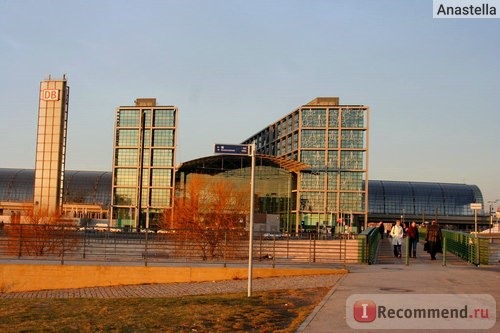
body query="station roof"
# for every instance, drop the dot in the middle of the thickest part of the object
(220, 163)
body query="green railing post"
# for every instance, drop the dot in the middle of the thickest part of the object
(444, 251)
(477, 261)
(407, 251)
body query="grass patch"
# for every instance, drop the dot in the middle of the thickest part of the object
(266, 311)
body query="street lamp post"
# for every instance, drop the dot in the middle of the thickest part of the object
(490, 212)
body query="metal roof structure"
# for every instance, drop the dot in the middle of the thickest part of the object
(220, 163)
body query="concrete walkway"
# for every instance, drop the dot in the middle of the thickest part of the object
(183, 289)
(421, 276)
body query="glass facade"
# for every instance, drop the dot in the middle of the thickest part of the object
(143, 164)
(275, 188)
(333, 140)
(417, 199)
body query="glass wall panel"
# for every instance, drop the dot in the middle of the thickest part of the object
(333, 158)
(161, 177)
(163, 138)
(162, 157)
(332, 180)
(125, 196)
(147, 138)
(332, 202)
(351, 181)
(313, 117)
(333, 118)
(351, 202)
(351, 160)
(164, 118)
(125, 177)
(333, 139)
(128, 118)
(353, 139)
(399, 198)
(128, 137)
(315, 158)
(126, 157)
(312, 201)
(313, 139)
(160, 197)
(353, 118)
(312, 181)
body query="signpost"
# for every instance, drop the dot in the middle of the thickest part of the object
(475, 207)
(232, 149)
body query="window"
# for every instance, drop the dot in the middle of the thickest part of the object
(126, 157)
(314, 117)
(127, 137)
(313, 139)
(125, 177)
(128, 118)
(164, 118)
(163, 138)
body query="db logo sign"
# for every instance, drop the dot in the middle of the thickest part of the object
(365, 311)
(50, 95)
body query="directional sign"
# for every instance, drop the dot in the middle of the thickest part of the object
(232, 149)
(476, 206)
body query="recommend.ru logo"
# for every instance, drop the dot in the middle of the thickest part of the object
(440, 311)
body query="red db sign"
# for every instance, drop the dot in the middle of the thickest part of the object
(50, 95)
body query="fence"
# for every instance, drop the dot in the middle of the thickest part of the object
(481, 250)
(67, 243)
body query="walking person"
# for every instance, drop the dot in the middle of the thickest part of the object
(412, 233)
(381, 229)
(433, 239)
(397, 238)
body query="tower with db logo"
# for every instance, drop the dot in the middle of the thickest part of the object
(51, 145)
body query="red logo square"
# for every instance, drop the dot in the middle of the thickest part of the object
(365, 311)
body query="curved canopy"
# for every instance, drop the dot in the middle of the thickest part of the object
(220, 163)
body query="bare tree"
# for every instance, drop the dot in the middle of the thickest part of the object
(42, 234)
(210, 213)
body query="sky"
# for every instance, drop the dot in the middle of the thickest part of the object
(234, 67)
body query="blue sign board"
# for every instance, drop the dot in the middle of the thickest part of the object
(232, 149)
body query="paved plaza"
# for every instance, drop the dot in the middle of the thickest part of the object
(389, 276)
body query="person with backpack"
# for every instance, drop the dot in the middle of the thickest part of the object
(397, 238)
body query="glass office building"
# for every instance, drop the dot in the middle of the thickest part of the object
(333, 140)
(51, 145)
(143, 163)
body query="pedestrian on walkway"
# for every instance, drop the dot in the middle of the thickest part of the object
(433, 239)
(381, 229)
(412, 233)
(397, 238)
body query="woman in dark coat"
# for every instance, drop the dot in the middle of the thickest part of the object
(433, 240)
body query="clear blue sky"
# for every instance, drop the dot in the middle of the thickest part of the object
(233, 67)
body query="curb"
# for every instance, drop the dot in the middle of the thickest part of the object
(318, 307)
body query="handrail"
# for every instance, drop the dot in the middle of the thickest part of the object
(368, 244)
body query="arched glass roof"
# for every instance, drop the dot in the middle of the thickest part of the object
(87, 187)
(417, 198)
(80, 187)
(385, 197)
(17, 185)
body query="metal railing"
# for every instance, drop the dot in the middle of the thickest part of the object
(466, 246)
(369, 240)
(62, 243)
(469, 247)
